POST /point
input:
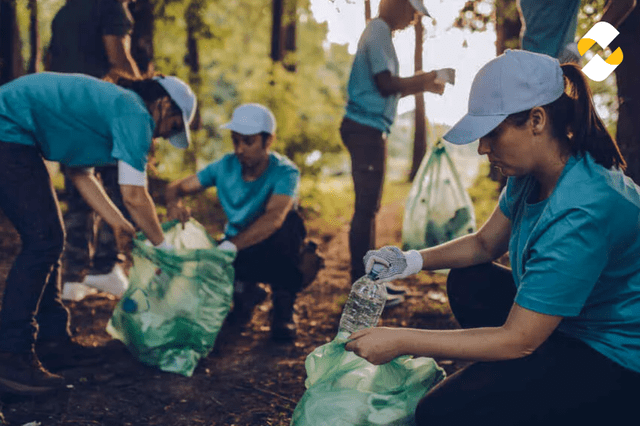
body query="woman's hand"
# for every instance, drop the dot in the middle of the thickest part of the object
(397, 264)
(377, 345)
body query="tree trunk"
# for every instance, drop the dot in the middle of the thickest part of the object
(420, 129)
(291, 17)
(367, 11)
(35, 59)
(628, 130)
(142, 36)
(508, 26)
(276, 31)
(193, 18)
(10, 46)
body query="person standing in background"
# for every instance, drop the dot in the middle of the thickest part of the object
(92, 37)
(374, 89)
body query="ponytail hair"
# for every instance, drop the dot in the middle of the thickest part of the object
(575, 121)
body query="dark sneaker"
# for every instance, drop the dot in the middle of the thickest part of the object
(395, 289)
(23, 374)
(244, 301)
(283, 327)
(283, 331)
(63, 354)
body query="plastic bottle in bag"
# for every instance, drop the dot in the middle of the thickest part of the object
(365, 303)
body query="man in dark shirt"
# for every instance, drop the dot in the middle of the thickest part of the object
(92, 37)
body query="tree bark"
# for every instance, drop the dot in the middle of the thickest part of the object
(10, 46)
(142, 36)
(628, 127)
(35, 59)
(508, 26)
(291, 18)
(276, 31)
(193, 18)
(420, 128)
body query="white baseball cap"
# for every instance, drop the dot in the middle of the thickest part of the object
(183, 96)
(515, 81)
(420, 7)
(251, 119)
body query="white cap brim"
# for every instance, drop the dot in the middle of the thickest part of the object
(473, 127)
(242, 128)
(181, 139)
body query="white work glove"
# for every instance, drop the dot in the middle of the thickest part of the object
(164, 245)
(397, 264)
(227, 245)
(446, 75)
(569, 54)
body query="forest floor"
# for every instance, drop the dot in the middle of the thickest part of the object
(247, 379)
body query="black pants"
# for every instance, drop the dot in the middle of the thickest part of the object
(90, 245)
(31, 300)
(368, 149)
(275, 260)
(564, 382)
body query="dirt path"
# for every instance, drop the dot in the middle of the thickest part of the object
(246, 380)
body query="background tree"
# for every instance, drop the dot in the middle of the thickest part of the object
(142, 36)
(35, 57)
(420, 126)
(11, 65)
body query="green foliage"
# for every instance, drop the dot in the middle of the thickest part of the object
(234, 48)
(484, 195)
(233, 40)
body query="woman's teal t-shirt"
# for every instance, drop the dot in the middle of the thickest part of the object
(577, 255)
(76, 120)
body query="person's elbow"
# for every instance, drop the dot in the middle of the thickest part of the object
(386, 84)
(134, 197)
(520, 348)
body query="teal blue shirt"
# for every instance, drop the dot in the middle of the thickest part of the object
(76, 120)
(375, 54)
(243, 202)
(577, 255)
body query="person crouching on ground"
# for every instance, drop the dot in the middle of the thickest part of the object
(555, 339)
(258, 191)
(80, 122)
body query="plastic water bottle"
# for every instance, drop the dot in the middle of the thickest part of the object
(365, 303)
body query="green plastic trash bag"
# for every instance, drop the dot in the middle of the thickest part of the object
(177, 300)
(438, 207)
(346, 390)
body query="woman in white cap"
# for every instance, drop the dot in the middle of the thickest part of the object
(555, 339)
(80, 122)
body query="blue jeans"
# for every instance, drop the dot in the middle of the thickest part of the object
(31, 303)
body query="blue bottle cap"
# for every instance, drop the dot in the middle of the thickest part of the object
(129, 305)
(375, 270)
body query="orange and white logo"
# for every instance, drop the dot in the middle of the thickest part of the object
(597, 69)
